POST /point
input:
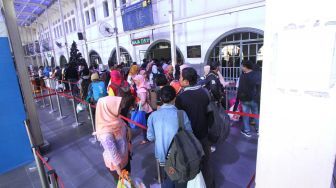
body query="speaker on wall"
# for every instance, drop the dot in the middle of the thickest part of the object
(80, 36)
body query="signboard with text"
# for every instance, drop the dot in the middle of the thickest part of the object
(137, 16)
(140, 41)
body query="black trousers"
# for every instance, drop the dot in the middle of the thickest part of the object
(206, 169)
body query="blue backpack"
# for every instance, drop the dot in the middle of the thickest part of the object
(98, 90)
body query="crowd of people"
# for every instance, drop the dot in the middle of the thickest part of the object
(161, 92)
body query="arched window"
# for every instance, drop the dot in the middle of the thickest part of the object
(124, 56)
(235, 47)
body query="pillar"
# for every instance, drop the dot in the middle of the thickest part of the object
(297, 142)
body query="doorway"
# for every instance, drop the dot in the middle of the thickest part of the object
(161, 49)
(63, 61)
(94, 58)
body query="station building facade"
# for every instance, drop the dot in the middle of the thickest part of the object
(227, 31)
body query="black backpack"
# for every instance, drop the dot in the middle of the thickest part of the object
(219, 130)
(185, 153)
(123, 89)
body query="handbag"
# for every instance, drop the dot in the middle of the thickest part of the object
(138, 116)
(197, 182)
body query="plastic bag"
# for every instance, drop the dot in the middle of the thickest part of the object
(139, 117)
(126, 182)
(80, 107)
(60, 87)
(197, 182)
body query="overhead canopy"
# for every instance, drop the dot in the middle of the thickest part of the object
(29, 10)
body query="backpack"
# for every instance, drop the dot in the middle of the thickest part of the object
(185, 153)
(98, 90)
(123, 89)
(219, 130)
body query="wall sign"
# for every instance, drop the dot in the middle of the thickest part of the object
(140, 41)
(194, 51)
(137, 16)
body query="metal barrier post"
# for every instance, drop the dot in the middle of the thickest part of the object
(59, 107)
(39, 164)
(41, 93)
(52, 110)
(158, 171)
(75, 124)
(93, 140)
(227, 100)
(52, 179)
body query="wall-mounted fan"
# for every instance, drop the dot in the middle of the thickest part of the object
(58, 44)
(106, 29)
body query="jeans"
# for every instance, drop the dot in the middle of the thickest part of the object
(250, 107)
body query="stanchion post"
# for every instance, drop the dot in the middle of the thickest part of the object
(59, 106)
(77, 123)
(93, 140)
(158, 171)
(226, 100)
(52, 110)
(52, 179)
(39, 164)
(41, 93)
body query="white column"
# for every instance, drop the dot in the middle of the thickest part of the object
(32, 41)
(13, 33)
(40, 39)
(297, 143)
(64, 32)
(172, 34)
(51, 37)
(83, 30)
(116, 32)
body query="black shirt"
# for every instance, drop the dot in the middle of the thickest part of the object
(194, 101)
(249, 86)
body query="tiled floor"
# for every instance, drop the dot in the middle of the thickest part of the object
(79, 163)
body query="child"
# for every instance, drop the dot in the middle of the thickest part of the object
(163, 126)
(142, 87)
(96, 89)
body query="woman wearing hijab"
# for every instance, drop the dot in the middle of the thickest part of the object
(142, 87)
(116, 80)
(133, 72)
(112, 133)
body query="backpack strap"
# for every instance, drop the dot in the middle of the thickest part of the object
(180, 120)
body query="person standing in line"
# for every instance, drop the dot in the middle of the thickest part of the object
(142, 88)
(85, 82)
(213, 84)
(194, 101)
(249, 96)
(133, 72)
(112, 133)
(71, 75)
(162, 127)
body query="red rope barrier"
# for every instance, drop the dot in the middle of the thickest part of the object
(243, 114)
(133, 122)
(251, 181)
(42, 96)
(59, 180)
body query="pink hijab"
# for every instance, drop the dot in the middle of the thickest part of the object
(107, 111)
(142, 84)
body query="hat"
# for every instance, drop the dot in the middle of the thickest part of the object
(94, 76)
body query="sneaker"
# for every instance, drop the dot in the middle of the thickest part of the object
(247, 134)
(213, 149)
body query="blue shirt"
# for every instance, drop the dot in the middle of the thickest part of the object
(162, 127)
